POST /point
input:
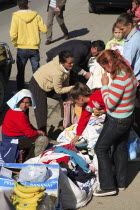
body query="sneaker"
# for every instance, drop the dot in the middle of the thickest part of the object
(48, 42)
(101, 193)
(121, 188)
(66, 36)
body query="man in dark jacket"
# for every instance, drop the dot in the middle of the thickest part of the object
(82, 50)
(56, 8)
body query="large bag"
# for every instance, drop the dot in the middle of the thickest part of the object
(71, 197)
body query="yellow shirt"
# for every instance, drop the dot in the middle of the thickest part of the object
(26, 26)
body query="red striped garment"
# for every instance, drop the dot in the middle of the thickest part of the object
(119, 97)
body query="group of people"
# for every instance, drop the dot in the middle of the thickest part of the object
(67, 72)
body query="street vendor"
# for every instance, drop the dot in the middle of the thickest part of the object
(17, 132)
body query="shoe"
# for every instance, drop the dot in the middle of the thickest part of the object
(101, 193)
(121, 188)
(48, 42)
(66, 37)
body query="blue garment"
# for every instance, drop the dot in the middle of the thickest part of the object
(8, 150)
(22, 57)
(74, 157)
(131, 51)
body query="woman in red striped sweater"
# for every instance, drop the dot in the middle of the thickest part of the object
(119, 99)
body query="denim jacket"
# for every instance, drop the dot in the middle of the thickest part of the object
(132, 51)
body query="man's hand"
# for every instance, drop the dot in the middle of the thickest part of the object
(57, 9)
(105, 79)
(73, 141)
(40, 133)
(87, 75)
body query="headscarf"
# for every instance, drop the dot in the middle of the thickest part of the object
(13, 102)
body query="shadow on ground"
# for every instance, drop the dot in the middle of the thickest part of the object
(133, 170)
(74, 34)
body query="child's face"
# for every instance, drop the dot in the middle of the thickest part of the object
(134, 5)
(118, 34)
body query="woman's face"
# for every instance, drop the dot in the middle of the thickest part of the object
(108, 67)
(124, 29)
(25, 103)
(69, 63)
(117, 34)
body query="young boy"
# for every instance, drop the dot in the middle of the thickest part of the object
(25, 31)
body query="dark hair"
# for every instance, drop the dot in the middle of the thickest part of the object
(125, 19)
(79, 89)
(23, 4)
(63, 55)
(99, 44)
(18, 104)
(118, 61)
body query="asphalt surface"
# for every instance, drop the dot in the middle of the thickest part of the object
(85, 26)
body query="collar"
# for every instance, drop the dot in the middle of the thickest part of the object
(128, 37)
(65, 70)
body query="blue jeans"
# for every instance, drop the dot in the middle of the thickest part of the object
(115, 133)
(22, 57)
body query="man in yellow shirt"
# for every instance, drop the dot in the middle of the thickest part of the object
(26, 26)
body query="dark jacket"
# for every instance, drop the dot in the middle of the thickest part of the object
(80, 50)
(59, 3)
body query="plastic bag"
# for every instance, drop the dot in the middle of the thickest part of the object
(46, 203)
(33, 173)
(133, 145)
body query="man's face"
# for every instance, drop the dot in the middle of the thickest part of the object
(94, 51)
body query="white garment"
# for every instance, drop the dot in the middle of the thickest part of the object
(96, 72)
(90, 134)
(119, 48)
(52, 4)
(13, 102)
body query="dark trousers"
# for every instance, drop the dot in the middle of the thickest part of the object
(40, 97)
(28, 145)
(60, 20)
(115, 133)
(22, 57)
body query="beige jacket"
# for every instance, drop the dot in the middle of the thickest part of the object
(53, 76)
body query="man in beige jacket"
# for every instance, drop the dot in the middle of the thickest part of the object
(53, 76)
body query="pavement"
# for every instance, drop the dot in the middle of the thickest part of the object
(82, 25)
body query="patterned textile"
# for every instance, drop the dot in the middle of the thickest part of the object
(40, 145)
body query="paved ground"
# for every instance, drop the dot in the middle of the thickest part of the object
(81, 25)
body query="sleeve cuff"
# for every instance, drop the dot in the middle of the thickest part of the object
(82, 72)
(105, 87)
